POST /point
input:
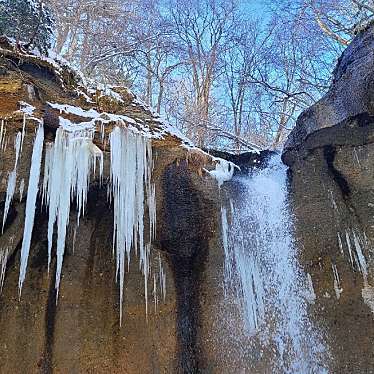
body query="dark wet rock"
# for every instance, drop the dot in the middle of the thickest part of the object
(246, 161)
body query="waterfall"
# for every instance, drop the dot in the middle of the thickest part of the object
(263, 273)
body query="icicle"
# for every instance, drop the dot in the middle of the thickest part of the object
(47, 164)
(74, 238)
(32, 193)
(361, 262)
(145, 263)
(12, 180)
(3, 262)
(340, 244)
(23, 130)
(2, 134)
(131, 166)
(155, 299)
(69, 163)
(310, 294)
(337, 286)
(162, 278)
(348, 241)
(21, 189)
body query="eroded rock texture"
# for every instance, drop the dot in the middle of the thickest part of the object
(81, 333)
(331, 157)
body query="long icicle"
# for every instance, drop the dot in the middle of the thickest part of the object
(69, 163)
(32, 193)
(131, 166)
(11, 187)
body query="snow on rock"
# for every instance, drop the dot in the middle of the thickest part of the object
(223, 172)
(107, 90)
(70, 109)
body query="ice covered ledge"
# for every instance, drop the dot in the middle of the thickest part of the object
(69, 335)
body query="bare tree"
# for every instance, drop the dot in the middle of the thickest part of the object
(225, 80)
(204, 30)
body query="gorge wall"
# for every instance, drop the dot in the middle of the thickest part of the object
(331, 158)
(191, 325)
(80, 330)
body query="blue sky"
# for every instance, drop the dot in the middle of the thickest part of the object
(257, 8)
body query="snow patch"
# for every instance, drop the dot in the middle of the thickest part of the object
(223, 172)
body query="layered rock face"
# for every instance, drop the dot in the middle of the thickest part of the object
(190, 325)
(79, 331)
(331, 158)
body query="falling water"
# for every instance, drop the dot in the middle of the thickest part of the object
(262, 268)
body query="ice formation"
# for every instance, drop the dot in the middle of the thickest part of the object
(261, 265)
(69, 163)
(242, 271)
(2, 135)
(11, 187)
(21, 189)
(356, 244)
(3, 261)
(131, 167)
(223, 172)
(337, 285)
(310, 294)
(32, 194)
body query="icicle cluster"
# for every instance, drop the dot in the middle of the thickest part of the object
(131, 167)
(69, 163)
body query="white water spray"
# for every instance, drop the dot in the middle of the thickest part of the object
(264, 271)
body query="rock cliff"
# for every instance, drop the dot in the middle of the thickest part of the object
(79, 331)
(331, 158)
(179, 319)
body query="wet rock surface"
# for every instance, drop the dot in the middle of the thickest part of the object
(195, 328)
(246, 161)
(81, 332)
(331, 157)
